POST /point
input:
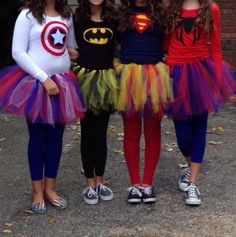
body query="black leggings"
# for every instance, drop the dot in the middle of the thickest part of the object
(94, 143)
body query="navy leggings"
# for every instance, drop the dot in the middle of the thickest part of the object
(94, 143)
(44, 149)
(191, 137)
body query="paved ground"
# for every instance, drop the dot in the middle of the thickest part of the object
(168, 217)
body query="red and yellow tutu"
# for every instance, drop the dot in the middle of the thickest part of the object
(23, 95)
(196, 89)
(145, 88)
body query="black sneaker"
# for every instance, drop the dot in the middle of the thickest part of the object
(184, 179)
(192, 196)
(104, 193)
(90, 196)
(135, 196)
(148, 195)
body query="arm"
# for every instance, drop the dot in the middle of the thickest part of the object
(215, 41)
(20, 44)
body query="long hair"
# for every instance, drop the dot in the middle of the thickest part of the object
(83, 11)
(204, 14)
(155, 9)
(37, 8)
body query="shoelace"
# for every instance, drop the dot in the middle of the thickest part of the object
(135, 190)
(104, 188)
(147, 190)
(193, 191)
(186, 174)
(90, 192)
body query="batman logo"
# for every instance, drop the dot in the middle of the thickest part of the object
(98, 35)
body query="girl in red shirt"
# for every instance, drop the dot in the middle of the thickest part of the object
(202, 82)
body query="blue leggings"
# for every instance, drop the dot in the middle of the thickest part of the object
(191, 137)
(44, 149)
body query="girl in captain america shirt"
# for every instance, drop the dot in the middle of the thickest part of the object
(202, 82)
(42, 89)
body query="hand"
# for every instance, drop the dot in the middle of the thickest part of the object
(165, 58)
(51, 87)
(73, 53)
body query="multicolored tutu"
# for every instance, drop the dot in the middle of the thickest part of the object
(145, 89)
(99, 88)
(23, 95)
(196, 89)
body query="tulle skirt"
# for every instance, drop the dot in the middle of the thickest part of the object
(145, 89)
(196, 89)
(23, 95)
(99, 88)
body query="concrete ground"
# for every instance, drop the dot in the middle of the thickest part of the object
(168, 217)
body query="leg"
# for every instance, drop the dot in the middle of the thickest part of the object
(87, 148)
(36, 153)
(132, 135)
(198, 146)
(152, 133)
(52, 159)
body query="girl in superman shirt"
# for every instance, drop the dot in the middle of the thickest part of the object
(202, 82)
(145, 90)
(42, 89)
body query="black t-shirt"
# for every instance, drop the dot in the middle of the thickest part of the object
(96, 43)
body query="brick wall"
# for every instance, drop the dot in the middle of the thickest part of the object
(228, 11)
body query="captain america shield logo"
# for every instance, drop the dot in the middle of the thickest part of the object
(53, 37)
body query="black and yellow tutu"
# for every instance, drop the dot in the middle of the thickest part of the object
(144, 88)
(99, 88)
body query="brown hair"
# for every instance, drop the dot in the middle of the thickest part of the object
(37, 8)
(204, 14)
(155, 9)
(83, 12)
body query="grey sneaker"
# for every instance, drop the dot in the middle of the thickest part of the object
(192, 196)
(90, 196)
(184, 179)
(104, 192)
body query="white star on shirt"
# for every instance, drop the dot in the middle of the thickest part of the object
(58, 37)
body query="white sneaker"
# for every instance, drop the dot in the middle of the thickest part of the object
(104, 193)
(184, 179)
(192, 196)
(90, 196)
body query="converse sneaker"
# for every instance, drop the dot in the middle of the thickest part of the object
(192, 196)
(90, 196)
(148, 195)
(104, 192)
(135, 196)
(184, 179)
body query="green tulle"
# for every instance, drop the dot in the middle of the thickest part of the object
(99, 88)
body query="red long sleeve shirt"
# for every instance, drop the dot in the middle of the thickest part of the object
(189, 42)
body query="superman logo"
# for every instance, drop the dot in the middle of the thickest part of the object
(141, 22)
(98, 35)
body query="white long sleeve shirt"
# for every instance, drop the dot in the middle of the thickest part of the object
(41, 49)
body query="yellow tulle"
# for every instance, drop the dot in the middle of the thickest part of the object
(99, 88)
(143, 84)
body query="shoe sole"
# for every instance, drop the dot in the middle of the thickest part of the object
(191, 203)
(103, 198)
(90, 202)
(134, 201)
(149, 200)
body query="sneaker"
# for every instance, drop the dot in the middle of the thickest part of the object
(192, 196)
(104, 193)
(184, 179)
(135, 196)
(90, 196)
(148, 195)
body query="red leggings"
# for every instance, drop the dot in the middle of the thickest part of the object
(152, 136)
